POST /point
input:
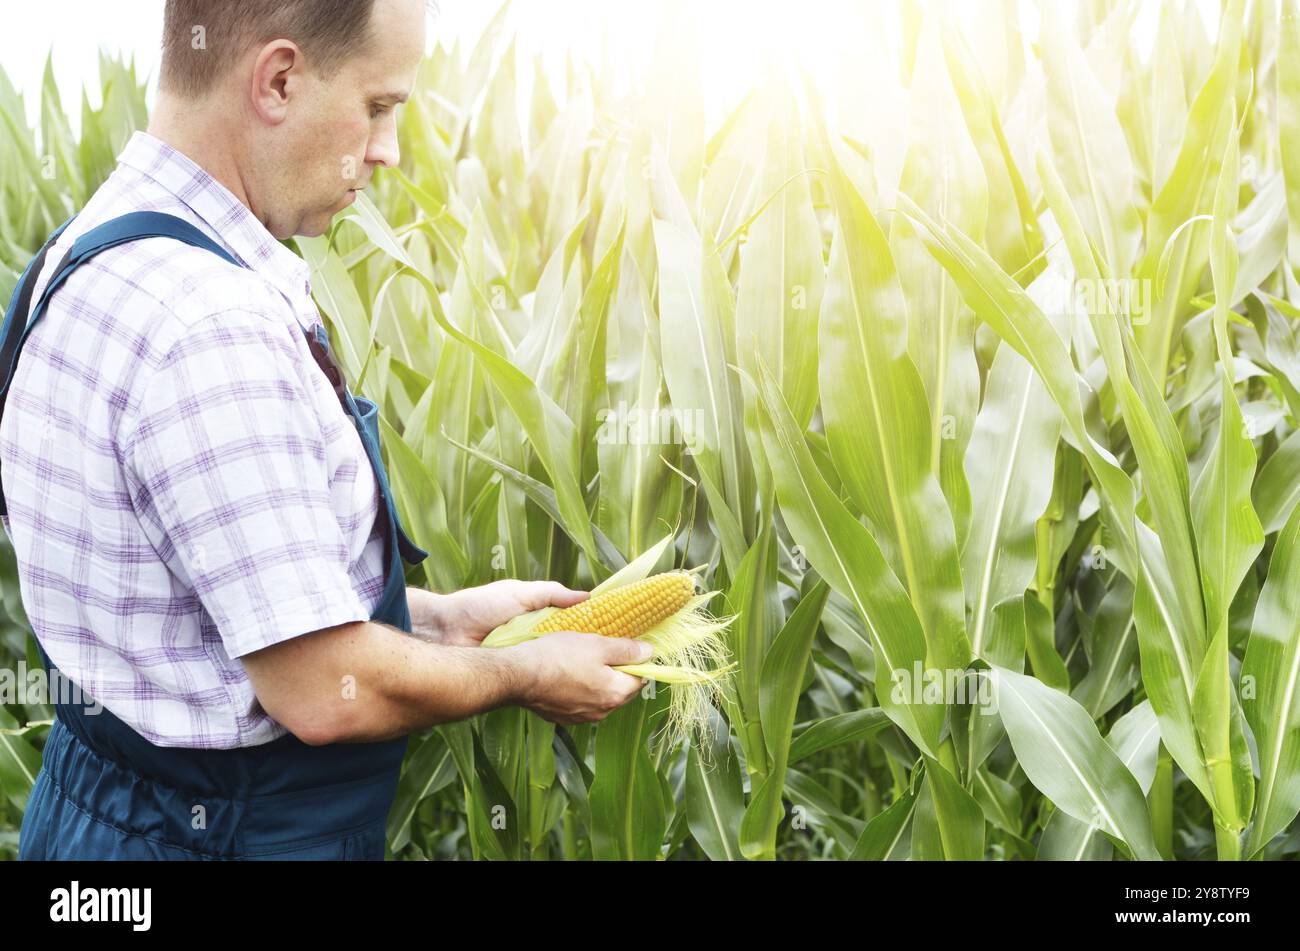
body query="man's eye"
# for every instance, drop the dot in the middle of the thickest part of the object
(377, 111)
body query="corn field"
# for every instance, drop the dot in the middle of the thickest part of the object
(973, 384)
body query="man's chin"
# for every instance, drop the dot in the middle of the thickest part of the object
(312, 227)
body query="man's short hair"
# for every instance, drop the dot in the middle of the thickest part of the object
(203, 38)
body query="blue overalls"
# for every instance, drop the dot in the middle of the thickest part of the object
(105, 792)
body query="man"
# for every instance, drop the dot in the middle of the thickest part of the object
(205, 538)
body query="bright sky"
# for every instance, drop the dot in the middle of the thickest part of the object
(733, 36)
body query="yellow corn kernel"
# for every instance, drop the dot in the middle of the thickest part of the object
(628, 611)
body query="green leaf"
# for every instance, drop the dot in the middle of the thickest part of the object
(1112, 670)
(781, 685)
(422, 509)
(754, 599)
(1016, 433)
(943, 174)
(832, 731)
(1063, 755)
(715, 801)
(1005, 306)
(1091, 152)
(781, 282)
(1013, 237)
(1230, 537)
(544, 496)
(696, 313)
(1135, 738)
(958, 818)
(886, 836)
(1040, 642)
(1189, 191)
(628, 815)
(19, 761)
(1270, 689)
(846, 555)
(999, 799)
(1288, 119)
(428, 768)
(874, 404)
(1277, 487)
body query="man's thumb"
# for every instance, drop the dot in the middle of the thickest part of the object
(627, 650)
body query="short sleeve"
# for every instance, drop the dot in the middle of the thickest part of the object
(227, 458)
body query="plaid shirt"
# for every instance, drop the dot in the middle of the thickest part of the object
(183, 486)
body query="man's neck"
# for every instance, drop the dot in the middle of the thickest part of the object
(182, 126)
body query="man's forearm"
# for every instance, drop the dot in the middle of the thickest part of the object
(406, 684)
(367, 681)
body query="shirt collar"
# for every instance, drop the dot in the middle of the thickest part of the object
(229, 219)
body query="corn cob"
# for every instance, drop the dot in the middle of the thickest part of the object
(690, 652)
(628, 611)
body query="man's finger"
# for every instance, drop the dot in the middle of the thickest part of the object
(546, 594)
(626, 650)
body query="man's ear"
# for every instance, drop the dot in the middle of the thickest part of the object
(277, 72)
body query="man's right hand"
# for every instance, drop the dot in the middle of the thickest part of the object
(568, 677)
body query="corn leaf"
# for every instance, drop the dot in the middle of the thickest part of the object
(1063, 755)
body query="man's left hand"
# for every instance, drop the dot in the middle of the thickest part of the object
(463, 618)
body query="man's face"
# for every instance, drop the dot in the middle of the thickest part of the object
(342, 127)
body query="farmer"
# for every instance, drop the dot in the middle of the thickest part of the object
(206, 541)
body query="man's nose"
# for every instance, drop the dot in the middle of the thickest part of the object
(383, 148)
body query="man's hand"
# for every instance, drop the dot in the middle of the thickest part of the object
(572, 678)
(465, 617)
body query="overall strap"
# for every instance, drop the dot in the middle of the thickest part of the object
(21, 317)
(367, 423)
